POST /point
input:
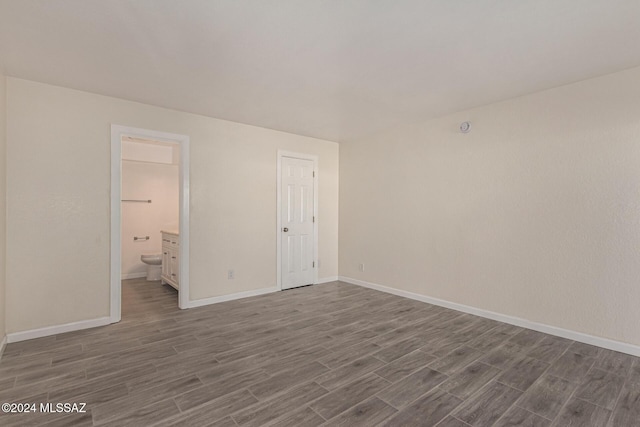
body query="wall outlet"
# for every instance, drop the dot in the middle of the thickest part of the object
(361, 268)
(231, 275)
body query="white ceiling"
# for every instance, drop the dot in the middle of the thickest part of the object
(333, 69)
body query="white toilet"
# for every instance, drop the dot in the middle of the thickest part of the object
(154, 265)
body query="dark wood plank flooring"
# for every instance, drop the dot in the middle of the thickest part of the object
(332, 354)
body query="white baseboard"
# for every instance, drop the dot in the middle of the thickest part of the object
(58, 329)
(3, 344)
(540, 327)
(327, 280)
(231, 297)
(246, 294)
(126, 276)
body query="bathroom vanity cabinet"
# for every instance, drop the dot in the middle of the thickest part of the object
(170, 258)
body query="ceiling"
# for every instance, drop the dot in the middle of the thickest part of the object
(332, 69)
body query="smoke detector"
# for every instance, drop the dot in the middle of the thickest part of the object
(465, 127)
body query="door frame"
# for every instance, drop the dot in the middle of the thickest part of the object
(302, 156)
(117, 132)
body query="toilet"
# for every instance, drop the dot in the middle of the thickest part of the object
(154, 265)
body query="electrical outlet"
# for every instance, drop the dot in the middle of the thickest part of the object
(231, 275)
(361, 268)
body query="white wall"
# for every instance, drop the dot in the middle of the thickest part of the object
(3, 205)
(534, 214)
(147, 181)
(58, 189)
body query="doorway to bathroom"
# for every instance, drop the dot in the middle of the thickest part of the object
(149, 216)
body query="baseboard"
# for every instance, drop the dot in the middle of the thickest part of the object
(231, 297)
(622, 347)
(246, 294)
(58, 329)
(327, 280)
(3, 344)
(125, 276)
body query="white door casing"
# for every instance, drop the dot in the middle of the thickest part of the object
(297, 191)
(117, 132)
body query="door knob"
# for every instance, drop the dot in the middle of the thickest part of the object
(285, 229)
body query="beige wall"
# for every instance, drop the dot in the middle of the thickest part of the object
(58, 190)
(534, 214)
(3, 203)
(147, 181)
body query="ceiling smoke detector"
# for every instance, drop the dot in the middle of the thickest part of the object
(465, 127)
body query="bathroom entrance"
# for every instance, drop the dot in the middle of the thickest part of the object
(149, 217)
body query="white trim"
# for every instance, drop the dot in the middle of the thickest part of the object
(116, 243)
(184, 298)
(314, 158)
(327, 280)
(117, 132)
(540, 327)
(3, 344)
(231, 297)
(58, 329)
(126, 276)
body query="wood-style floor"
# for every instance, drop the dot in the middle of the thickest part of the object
(332, 354)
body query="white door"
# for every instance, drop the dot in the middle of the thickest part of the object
(297, 218)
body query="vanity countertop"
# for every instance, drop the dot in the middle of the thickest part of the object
(174, 232)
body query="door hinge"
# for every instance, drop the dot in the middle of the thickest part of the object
(314, 219)
(314, 174)
(314, 264)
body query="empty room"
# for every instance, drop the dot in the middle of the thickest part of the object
(322, 212)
